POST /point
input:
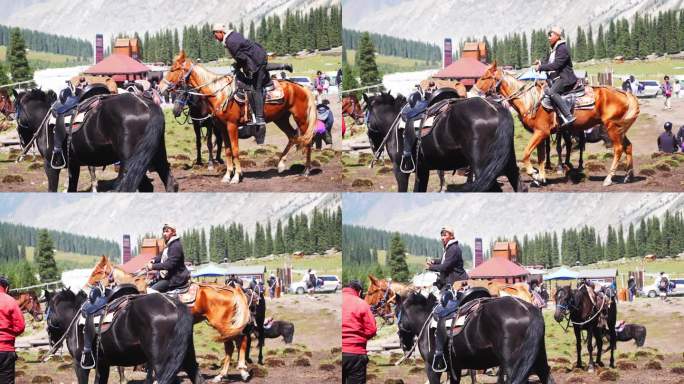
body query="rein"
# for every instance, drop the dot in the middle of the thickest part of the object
(417, 338)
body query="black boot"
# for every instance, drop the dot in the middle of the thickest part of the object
(439, 363)
(567, 118)
(258, 98)
(87, 357)
(407, 164)
(57, 161)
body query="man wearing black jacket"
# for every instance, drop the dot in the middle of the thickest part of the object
(170, 264)
(450, 268)
(560, 75)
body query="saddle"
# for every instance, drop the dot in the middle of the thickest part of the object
(273, 93)
(105, 315)
(75, 109)
(426, 119)
(186, 294)
(457, 322)
(580, 97)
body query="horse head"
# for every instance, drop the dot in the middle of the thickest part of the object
(381, 110)
(62, 306)
(380, 297)
(102, 273)
(564, 299)
(178, 74)
(6, 104)
(490, 82)
(412, 312)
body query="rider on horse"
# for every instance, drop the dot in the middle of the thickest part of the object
(251, 58)
(450, 268)
(561, 77)
(170, 264)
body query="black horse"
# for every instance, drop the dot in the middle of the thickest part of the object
(280, 328)
(505, 332)
(583, 315)
(257, 305)
(122, 128)
(597, 134)
(473, 133)
(152, 330)
(199, 112)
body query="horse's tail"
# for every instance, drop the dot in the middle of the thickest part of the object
(307, 137)
(630, 115)
(234, 326)
(138, 163)
(531, 347)
(498, 153)
(180, 341)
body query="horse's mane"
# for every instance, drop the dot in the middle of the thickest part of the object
(215, 82)
(417, 298)
(34, 94)
(66, 295)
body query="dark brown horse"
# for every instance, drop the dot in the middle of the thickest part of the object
(298, 103)
(575, 306)
(616, 110)
(29, 302)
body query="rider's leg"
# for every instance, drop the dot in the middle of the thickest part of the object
(58, 137)
(259, 80)
(407, 163)
(554, 93)
(160, 286)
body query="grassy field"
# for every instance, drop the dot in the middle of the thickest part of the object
(652, 70)
(304, 65)
(392, 64)
(67, 260)
(40, 60)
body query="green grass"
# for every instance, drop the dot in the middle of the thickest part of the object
(304, 65)
(67, 260)
(322, 264)
(643, 70)
(392, 64)
(41, 60)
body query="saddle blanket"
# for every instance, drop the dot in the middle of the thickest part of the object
(187, 296)
(416, 123)
(582, 100)
(109, 317)
(67, 119)
(449, 323)
(273, 96)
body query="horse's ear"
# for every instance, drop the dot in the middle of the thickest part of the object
(373, 279)
(493, 66)
(51, 96)
(365, 98)
(16, 95)
(181, 56)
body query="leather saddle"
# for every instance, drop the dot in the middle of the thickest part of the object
(105, 316)
(580, 97)
(186, 294)
(426, 116)
(273, 92)
(75, 109)
(469, 303)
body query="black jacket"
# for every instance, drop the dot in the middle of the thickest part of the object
(451, 269)
(667, 142)
(561, 65)
(247, 54)
(177, 273)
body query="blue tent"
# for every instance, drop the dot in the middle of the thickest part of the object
(210, 270)
(564, 273)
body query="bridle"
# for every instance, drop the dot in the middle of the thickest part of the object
(183, 82)
(379, 309)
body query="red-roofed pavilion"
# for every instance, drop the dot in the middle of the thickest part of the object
(120, 68)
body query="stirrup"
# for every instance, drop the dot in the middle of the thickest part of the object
(83, 356)
(434, 360)
(52, 161)
(404, 169)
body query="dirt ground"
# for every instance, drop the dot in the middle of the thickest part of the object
(259, 165)
(660, 360)
(653, 172)
(314, 355)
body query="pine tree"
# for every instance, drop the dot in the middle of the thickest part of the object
(269, 239)
(45, 258)
(16, 57)
(589, 54)
(365, 63)
(396, 262)
(600, 49)
(621, 249)
(631, 246)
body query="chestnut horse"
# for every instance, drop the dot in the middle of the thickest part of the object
(298, 103)
(28, 302)
(351, 107)
(225, 308)
(615, 109)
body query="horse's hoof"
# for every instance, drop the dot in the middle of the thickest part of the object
(235, 179)
(217, 379)
(607, 182)
(281, 167)
(244, 375)
(249, 360)
(226, 178)
(305, 173)
(600, 364)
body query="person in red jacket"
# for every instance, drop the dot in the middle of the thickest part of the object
(11, 326)
(358, 326)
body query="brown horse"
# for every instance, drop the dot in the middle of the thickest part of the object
(6, 104)
(28, 302)
(225, 308)
(351, 107)
(615, 109)
(298, 103)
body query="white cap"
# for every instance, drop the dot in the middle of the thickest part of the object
(218, 27)
(557, 30)
(447, 229)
